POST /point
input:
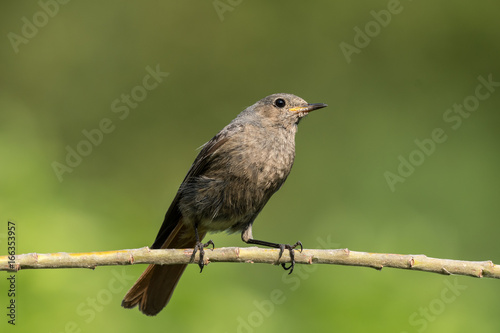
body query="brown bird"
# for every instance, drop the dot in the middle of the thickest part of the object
(230, 181)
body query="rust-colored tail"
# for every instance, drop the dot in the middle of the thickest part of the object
(155, 286)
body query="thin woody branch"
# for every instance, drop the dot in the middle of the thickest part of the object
(250, 255)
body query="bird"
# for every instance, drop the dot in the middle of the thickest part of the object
(227, 186)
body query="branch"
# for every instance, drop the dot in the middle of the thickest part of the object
(251, 255)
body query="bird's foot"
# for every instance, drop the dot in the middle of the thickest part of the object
(290, 248)
(200, 247)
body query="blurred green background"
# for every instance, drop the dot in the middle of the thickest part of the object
(60, 77)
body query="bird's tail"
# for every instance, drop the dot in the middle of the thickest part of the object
(155, 286)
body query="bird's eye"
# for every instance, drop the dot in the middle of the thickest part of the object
(280, 102)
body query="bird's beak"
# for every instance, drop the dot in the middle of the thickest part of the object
(308, 108)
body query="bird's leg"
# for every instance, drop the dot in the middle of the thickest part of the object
(200, 246)
(282, 247)
(247, 237)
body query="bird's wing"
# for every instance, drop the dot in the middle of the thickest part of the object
(173, 215)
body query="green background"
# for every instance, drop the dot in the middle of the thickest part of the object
(395, 90)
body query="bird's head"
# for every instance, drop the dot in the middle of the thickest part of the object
(282, 109)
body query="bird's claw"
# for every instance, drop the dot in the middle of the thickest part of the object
(200, 247)
(291, 249)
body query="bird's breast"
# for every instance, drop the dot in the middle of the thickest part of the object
(267, 157)
(241, 177)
